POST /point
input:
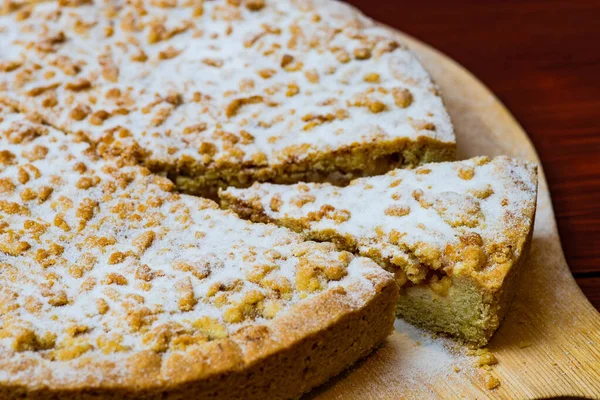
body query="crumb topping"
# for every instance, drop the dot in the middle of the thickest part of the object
(216, 83)
(467, 217)
(104, 260)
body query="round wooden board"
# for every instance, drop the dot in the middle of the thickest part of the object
(548, 346)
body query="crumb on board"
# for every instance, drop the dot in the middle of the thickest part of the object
(486, 359)
(524, 343)
(491, 382)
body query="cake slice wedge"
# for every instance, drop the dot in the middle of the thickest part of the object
(112, 285)
(224, 93)
(454, 234)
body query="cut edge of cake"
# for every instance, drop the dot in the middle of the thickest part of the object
(338, 167)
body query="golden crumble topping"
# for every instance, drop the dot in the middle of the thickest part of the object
(202, 90)
(103, 260)
(464, 218)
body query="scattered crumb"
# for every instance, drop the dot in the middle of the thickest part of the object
(456, 368)
(487, 359)
(524, 343)
(484, 357)
(491, 382)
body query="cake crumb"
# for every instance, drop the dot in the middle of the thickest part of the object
(491, 382)
(486, 359)
(524, 343)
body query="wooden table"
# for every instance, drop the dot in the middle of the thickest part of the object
(542, 59)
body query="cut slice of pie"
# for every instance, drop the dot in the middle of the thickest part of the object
(221, 93)
(455, 234)
(114, 286)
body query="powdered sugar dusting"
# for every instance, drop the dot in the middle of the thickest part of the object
(431, 357)
(465, 217)
(216, 83)
(100, 260)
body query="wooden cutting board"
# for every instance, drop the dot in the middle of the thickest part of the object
(548, 346)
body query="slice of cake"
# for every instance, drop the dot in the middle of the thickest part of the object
(221, 93)
(454, 234)
(113, 286)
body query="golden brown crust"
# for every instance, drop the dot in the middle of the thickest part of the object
(328, 336)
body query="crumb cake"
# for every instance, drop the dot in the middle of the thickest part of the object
(114, 286)
(454, 234)
(220, 93)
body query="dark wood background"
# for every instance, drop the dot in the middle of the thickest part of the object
(542, 59)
